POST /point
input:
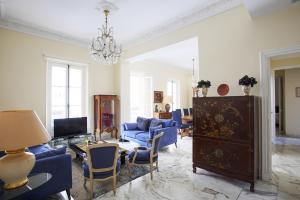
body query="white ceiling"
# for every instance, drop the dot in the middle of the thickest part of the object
(134, 20)
(176, 55)
(262, 7)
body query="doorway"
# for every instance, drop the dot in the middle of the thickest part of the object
(280, 118)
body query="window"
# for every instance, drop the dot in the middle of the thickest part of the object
(173, 93)
(140, 96)
(66, 91)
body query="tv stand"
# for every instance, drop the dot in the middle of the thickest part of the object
(66, 141)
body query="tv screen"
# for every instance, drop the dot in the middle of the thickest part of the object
(70, 127)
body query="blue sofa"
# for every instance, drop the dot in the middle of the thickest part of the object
(133, 132)
(55, 162)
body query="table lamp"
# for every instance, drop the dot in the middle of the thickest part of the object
(19, 129)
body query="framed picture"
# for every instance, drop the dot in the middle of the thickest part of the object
(158, 96)
(297, 91)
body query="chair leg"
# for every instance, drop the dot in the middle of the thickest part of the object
(114, 185)
(91, 189)
(84, 183)
(176, 145)
(129, 169)
(68, 193)
(157, 166)
(151, 170)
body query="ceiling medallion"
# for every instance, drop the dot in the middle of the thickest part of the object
(104, 48)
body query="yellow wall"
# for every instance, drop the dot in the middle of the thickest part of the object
(285, 62)
(292, 103)
(23, 71)
(230, 43)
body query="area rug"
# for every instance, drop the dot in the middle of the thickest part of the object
(79, 192)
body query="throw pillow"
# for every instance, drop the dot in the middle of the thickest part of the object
(143, 123)
(155, 122)
(130, 126)
(167, 123)
(152, 130)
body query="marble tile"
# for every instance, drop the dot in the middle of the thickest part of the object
(286, 167)
(175, 180)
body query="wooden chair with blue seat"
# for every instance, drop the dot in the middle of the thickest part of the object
(191, 111)
(183, 128)
(144, 156)
(185, 111)
(102, 163)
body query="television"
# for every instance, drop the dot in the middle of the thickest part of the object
(70, 127)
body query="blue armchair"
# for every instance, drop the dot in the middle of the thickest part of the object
(102, 163)
(145, 156)
(55, 162)
(131, 131)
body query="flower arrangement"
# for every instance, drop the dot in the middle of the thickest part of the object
(203, 84)
(247, 81)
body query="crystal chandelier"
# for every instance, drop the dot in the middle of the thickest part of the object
(104, 47)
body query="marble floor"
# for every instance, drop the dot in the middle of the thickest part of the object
(175, 180)
(286, 165)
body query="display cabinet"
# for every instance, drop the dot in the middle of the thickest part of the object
(106, 115)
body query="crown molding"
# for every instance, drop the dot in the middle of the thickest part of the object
(40, 32)
(197, 15)
(176, 23)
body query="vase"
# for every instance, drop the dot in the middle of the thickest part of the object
(204, 91)
(167, 107)
(246, 89)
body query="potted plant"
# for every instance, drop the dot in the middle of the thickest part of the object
(247, 83)
(204, 85)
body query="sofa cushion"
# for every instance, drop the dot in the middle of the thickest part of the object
(132, 134)
(152, 130)
(167, 123)
(130, 126)
(143, 137)
(155, 122)
(44, 151)
(143, 123)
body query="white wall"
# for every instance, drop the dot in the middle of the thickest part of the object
(161, 74)
(292, 103)
(230, 43)
(23, 71)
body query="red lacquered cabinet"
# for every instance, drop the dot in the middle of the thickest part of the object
(226, 136)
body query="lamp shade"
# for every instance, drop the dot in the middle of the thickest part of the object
(21, 129)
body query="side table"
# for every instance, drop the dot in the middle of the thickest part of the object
(34, 181)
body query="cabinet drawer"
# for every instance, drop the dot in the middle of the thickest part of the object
(225, 156)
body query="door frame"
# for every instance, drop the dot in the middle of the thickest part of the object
(268, 105)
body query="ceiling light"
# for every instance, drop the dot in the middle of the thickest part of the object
(104, 48)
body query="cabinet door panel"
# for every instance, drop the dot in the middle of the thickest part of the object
(221, 155)
(227, 118)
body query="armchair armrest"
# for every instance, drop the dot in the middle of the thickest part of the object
(60, 167)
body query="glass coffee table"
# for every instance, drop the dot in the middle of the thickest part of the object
(80, 150)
